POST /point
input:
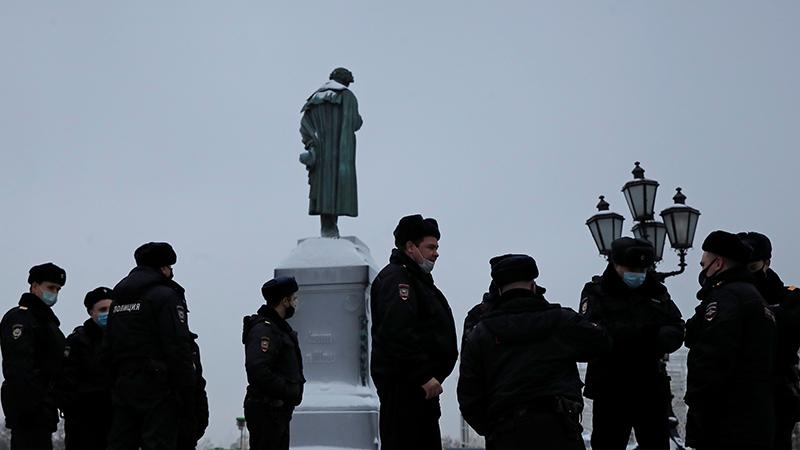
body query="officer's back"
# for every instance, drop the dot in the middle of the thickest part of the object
(149, 347)
(519, 384)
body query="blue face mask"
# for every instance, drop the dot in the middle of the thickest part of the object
(633, 279)
(102, 319)
(49, 298)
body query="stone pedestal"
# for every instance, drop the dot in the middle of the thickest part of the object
(340, 406)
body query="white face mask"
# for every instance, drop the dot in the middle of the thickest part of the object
(427, 265)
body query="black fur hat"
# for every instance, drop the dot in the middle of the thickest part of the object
(47, 272)
(413, 228)
(634, 253)
(761, 245)
(277, 288)
(511, 268)
(155, 254)
(727, 245)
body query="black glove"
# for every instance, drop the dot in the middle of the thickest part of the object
(294, 393)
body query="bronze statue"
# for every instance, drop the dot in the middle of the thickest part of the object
(330, 121)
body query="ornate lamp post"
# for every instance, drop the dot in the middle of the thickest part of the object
(606, 226)
(240, 424)
(680, 221)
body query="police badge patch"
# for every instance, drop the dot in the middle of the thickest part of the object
(16, 331)
(66, 351)
(711, 311)
(181, 314)
(264, 344)
(403, 290)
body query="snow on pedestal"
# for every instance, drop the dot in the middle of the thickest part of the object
(340, 406)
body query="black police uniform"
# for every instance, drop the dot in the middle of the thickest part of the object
(87, 390)
(519, 385)
(729, 390)
(275, 379)
(194, 416)
(784, 302)
(33, 354)
(413, 340)
(149, 346)
(629, 386)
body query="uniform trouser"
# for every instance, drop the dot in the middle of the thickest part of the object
(85, 434)
(407, 420)
(613, 418)
(31, 439)
(785, 413)
(268, 426)
(152, 426)
(537, 430)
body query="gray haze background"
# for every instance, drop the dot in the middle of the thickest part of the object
(126, 122)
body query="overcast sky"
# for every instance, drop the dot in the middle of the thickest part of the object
(127, 122)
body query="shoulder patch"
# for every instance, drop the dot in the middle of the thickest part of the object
(711, 311)
(16, 331)
(264, 344)
(584, 305)
(403, 290)
(181, 313)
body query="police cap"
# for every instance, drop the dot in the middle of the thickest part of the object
(413, 228)
(761, 245)
(630, 252)
(155, 254)
(277, 288)
(727, 245)
(95, 295)
(47, 272)
(510, 268)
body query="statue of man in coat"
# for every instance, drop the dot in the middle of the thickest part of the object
(330, 121)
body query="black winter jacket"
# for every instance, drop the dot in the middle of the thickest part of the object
(731, 340)
(33, 352)
(643, 323)
(87, 381)
(784, 302)
(273, 360)
(148, 343)
(413, 331)
(522, 351)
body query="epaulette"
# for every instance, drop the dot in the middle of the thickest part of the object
(22, 308)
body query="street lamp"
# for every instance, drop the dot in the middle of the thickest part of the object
(640, 194)
(680, 221)
(240, 424)
(606, 226)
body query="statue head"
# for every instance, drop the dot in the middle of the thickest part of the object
(342, 76)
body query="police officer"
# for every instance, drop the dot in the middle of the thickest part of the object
(87, 387)
(784, 302)
(414, 346)
(274, 366)
(481, 309)
(731, 341)
(519, 384)
(149, 346)
(629, 385)
(33, 352)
